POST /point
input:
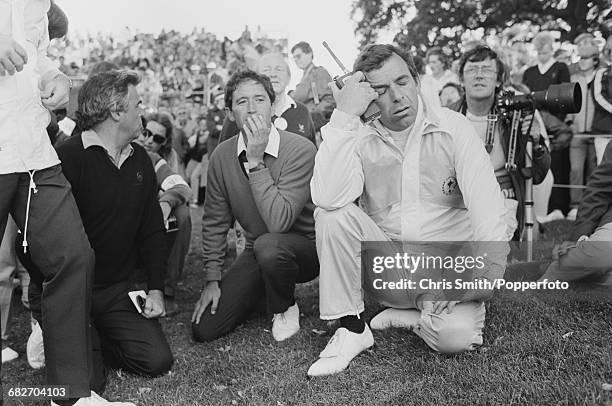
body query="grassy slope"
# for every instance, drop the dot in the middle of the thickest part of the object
(539, 349)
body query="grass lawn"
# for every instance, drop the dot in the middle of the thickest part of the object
(540, 348)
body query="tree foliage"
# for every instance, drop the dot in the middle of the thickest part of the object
(444, 22)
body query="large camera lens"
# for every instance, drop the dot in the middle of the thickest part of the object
(563, 98)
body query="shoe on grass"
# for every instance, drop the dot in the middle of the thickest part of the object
(340, 351)
(286, 324)
(96, 400)
(400, 318)
(8, 355)
(35, 350)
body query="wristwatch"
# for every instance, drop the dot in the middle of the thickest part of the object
(259, 166)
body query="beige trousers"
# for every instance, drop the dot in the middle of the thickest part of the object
(581, 259)
(341, 284)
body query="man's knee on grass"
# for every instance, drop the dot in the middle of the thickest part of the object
(449, 334)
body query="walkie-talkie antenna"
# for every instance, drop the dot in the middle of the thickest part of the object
(340, 64)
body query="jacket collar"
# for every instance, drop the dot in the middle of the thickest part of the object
(427, 119)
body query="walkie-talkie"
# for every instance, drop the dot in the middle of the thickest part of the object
(372, 112)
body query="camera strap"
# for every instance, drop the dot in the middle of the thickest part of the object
(490, 134)
(492, 118)
(516, 120)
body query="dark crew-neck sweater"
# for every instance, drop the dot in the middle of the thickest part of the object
(119, 209)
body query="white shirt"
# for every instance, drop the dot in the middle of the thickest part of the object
(91, 138)
(544, 67)
(431, 86)
(288, 103)
(24, 143)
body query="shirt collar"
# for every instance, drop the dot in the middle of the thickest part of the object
(92, 139)
(271, 148)
(427, 120)
(289, 103)
(544, 67)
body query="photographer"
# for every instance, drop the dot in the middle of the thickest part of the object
(482, 74)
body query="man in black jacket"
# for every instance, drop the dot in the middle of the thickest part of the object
(482, 74)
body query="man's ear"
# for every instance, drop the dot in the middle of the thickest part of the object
(116, 115)
(230, 114)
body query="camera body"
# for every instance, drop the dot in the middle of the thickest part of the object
(563, 98)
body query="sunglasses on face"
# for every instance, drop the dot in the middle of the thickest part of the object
(159, 139)
(586, 58)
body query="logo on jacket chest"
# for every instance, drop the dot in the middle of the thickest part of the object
(139, 177)
(449, 186)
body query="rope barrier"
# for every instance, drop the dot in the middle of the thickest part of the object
(587, 135)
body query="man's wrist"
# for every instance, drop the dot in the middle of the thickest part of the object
(253, 162)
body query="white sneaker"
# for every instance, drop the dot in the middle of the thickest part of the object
(552, 216)
(571, 216)
(96, 400)
(8, 355)
(35, 350)
(340, 350)
(395, 318)
(284, 325)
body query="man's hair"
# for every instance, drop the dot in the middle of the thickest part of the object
(560, 52)
(102, 66)
(304, 46)
(454, 85)
(479, 54)
(103, 94)
(279, 56)
(374, 56)
(542, 39)
(439, 53)
(58, 22)
(246, 76)
(166, 121)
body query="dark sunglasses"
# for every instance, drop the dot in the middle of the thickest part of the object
(160, 139)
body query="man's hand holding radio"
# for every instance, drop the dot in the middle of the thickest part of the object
(355, 96)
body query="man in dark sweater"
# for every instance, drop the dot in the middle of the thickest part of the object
(115, 187)
(259, 177)
(287, 114)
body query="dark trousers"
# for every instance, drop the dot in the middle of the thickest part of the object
(271, 269)
(64, 269)
(179, 241)
(560, 167)
(123, 338)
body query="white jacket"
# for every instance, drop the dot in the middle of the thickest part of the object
(24, 143)
(440, 188)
